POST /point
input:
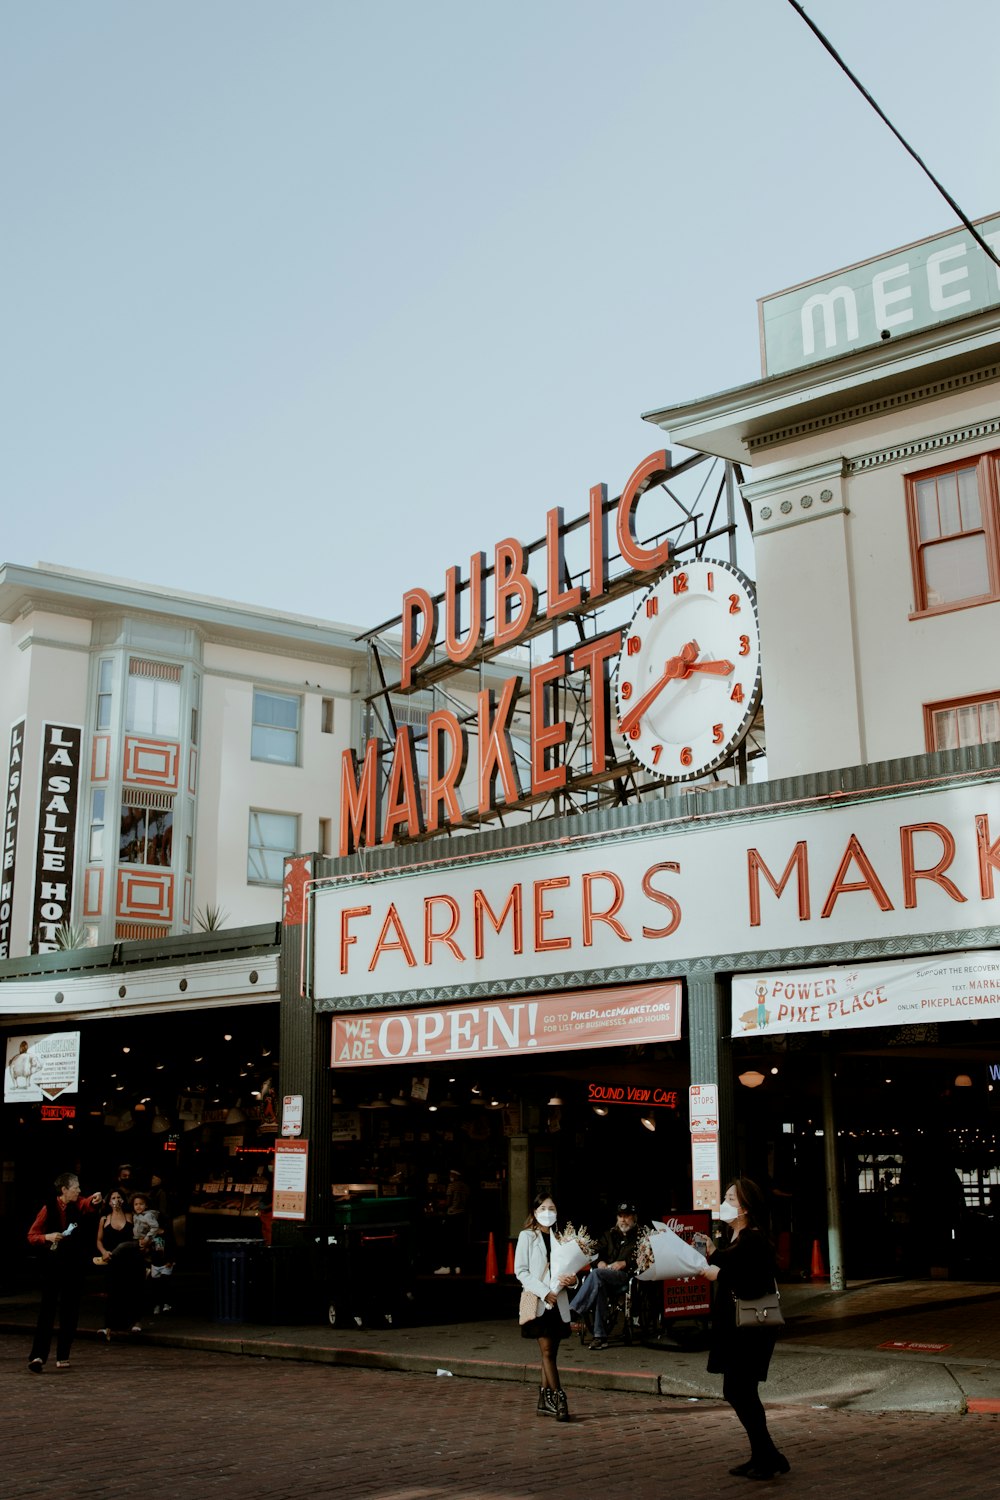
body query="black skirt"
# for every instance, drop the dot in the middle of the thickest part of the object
(550, 1325)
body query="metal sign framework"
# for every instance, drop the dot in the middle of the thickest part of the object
(703, 493)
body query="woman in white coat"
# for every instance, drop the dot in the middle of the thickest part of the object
(531, 1267)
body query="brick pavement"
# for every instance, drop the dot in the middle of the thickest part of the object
(132, 1419)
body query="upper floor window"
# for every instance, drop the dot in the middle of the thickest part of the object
(153, 700)
(147, 835)
(104, 669)
(275, 734)
(954, 519)
(273, 838)
(966, 721)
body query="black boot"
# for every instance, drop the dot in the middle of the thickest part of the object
(562, 1406)
(546, 1406)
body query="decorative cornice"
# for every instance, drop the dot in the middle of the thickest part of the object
(975, 432)
(934, 390)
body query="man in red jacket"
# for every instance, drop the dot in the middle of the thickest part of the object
(58, 1234)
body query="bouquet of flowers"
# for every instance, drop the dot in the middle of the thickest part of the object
(662, 1254)
(569, 1252)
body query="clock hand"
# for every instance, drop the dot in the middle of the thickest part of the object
(717, 668)
(676, 666)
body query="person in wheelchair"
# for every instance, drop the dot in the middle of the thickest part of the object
(614, 1266)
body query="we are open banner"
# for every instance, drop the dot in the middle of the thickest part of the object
(617, 1017)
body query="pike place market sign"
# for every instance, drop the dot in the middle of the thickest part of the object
(688, 677)
(873, 869)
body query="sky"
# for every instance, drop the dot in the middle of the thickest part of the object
(307, 302)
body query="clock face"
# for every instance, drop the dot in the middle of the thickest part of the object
(688, 681)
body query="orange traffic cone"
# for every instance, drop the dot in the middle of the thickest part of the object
(508, 1269)
(491, 1260)
(818, 1269)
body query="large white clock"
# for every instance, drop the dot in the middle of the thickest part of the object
(688, 680)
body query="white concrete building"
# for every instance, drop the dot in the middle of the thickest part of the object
(875, 494)
(166, 752)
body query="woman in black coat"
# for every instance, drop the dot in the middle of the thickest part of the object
(744, 1268)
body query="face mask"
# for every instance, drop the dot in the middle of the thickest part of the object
(546, 1216)
(728, 1212)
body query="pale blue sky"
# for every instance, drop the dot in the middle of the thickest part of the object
(292, 289)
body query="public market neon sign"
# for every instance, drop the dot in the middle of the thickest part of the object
(432, 626)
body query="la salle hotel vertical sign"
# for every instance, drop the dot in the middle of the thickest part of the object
(56, 847)
(12, 812)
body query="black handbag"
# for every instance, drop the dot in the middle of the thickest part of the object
(759, 1312)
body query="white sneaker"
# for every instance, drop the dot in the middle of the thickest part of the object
(443, 1271)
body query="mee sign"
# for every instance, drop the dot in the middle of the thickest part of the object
(839, 873)
(591, 1018)
(908, 289)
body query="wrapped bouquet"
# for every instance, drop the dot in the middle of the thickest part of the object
(661, 1254)
(569, 1252)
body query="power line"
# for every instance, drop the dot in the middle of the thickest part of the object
(902, 141)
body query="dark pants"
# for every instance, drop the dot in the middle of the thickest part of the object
(62, 1287)
(126, 1286)
(740, 1390)
(593, 1294)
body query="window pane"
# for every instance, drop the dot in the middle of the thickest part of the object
(951, 523)
(927, 516)
(968, 724)
(104, 711)
(159, 838)
(989, 721)
(274, 744)
(96, 844)
(97, 805)
(968, 494)
(104, 677)
(132, 840)
(167, 716)
(273, 708)
(956, 570)
(273, 836)
(153, 707)
(275, 733)
(945, 730)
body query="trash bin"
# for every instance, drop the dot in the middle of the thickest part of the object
(236, 1279)
(370, 1255)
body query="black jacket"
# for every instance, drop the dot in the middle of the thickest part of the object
(746, 1269)
(616, 1244)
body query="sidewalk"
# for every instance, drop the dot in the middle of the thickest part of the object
(879, 1346)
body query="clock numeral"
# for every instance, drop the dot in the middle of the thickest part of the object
(686, 756)
(736, 696)
(657, 752)
(710, 583)
(635, 732)
(652, 606)
(734, 604)
(718, 734)
(744, 645)
(626, 691)
(680, 583)
(634, 645)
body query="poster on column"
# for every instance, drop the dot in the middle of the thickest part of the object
(291, 1164)
(705, 1171)
(42, 1067)
(904, 992)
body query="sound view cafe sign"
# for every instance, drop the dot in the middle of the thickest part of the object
(433, 626)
